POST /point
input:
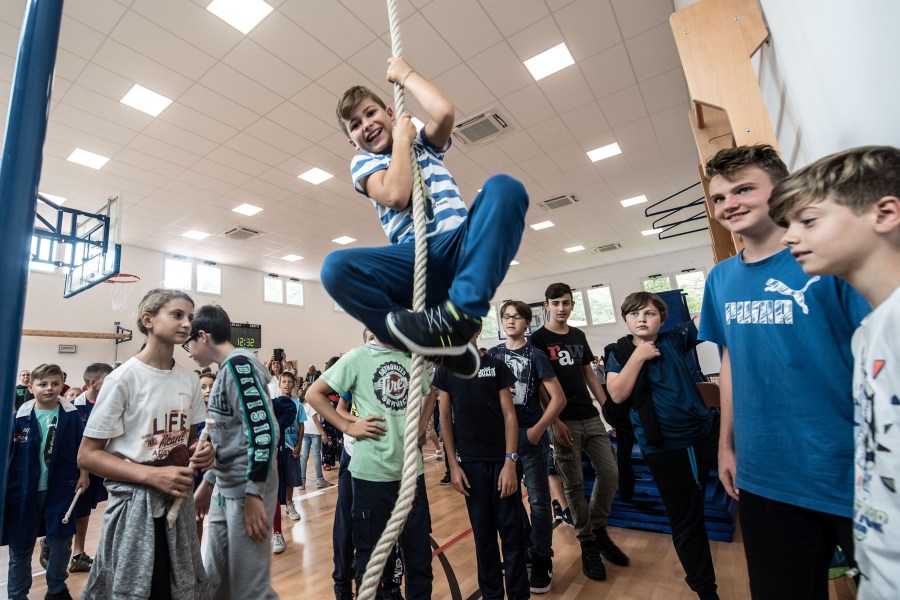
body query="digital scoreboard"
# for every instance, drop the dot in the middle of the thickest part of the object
(246, 335)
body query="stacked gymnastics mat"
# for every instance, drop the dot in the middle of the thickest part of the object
(647, 512)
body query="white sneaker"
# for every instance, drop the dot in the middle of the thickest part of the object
(278, 544)
(292, 513)
(321, 482)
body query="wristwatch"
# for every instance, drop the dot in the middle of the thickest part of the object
(513, 457)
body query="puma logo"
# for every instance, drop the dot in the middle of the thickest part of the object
(773, 285)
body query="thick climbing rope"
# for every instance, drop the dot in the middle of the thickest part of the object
(407, 493)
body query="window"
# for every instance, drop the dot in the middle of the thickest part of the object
(578, 318)
(187, 274)
(282, 291)
(690, 281)
(293, 292)
(209, 279)
(178, 274)
(489, 325)
(273, 289)
(601, 306)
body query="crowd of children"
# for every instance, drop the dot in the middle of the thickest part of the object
(795, 392)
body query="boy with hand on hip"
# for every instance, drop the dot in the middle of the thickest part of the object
(245, 477)
(785, 386)
(580, 427)
(379, 379)
(852, 196)
(42, 480)
(469, 251)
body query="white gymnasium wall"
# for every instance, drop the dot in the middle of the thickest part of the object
(828, 75)
(310, 334)
(623, 279)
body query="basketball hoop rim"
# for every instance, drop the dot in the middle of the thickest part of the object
(123, 278)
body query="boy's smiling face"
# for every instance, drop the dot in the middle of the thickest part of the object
(742, 202)
(560, 308)
(370, 127)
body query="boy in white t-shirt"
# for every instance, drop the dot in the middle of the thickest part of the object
(313, 437)
(843, 218)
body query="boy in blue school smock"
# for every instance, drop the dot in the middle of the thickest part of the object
(469, 251)
(42, 479)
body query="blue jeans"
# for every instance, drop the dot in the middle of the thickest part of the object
(19, 580)
(373, 502)
(311, 443)
(465, 265)
(533, 463)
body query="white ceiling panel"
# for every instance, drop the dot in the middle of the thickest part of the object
(251, 112)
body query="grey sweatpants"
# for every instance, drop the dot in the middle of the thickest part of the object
(237, 566)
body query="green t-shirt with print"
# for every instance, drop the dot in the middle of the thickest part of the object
(47, 420)
(379, 380)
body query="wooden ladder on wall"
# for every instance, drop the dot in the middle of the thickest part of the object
(715, 40)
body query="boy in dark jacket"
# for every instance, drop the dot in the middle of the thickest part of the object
(41, 481)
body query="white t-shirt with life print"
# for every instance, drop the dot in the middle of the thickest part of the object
(146, 413)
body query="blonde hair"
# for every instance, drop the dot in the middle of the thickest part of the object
(856, 178)
(154, 300)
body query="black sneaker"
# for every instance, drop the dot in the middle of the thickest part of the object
(608, 549)
(80, 563)
(567, 517)
(63, 595)
(591, 563)
(465, 365)
(557, 511)
(446, 480)
(442, 330)
(44, 558)
(541, 574)
(342, 592)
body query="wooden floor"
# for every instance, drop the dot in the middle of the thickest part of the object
(304, 569)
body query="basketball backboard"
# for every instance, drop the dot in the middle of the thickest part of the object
(95, 255)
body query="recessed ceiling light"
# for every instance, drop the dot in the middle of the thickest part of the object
(246, 209)
(604, 152)
(291, 258)
(88, 159)
(243, 15)
(549, 62)
(315, 176)
(542, 225)
(145, 100)
(636, 200)
(53, 198)
(344, 240)
(195, 235)
(574, 249)
(647, 232)
(513, 263)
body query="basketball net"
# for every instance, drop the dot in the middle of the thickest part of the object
(119, 289)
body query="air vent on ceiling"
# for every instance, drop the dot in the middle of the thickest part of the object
(242, 233)
(481, 128)
(606, 248)
(559, 202)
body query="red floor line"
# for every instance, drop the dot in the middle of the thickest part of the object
(451, 542)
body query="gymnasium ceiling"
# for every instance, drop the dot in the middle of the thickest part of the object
(251, 112)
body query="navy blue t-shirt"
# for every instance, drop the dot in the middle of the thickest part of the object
(683, 417)
(530, 367)
(477, 419)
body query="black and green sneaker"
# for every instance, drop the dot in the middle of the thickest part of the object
(441, 330)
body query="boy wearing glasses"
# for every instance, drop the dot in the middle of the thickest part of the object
(532, 369)
(244, 477)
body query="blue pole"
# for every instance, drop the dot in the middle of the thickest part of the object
(20, 173)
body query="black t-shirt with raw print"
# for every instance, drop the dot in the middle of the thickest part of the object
(478, 427)
(569, 353)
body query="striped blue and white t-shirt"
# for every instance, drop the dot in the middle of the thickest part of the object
(447, 211)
